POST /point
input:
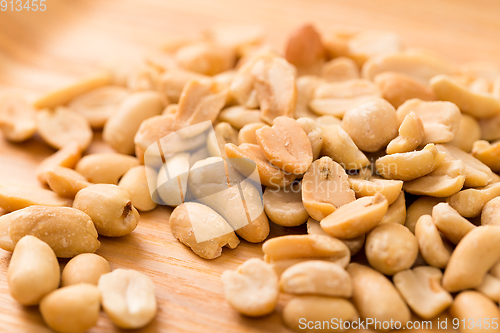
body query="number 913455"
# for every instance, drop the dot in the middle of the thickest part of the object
(20, 5)
(470, 323)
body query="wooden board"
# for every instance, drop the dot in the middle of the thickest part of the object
(39, 51)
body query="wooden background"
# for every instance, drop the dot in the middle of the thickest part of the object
(41, 50)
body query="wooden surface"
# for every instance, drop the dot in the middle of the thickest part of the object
(39, 51)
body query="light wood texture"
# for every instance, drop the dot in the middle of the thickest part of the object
(39, 51)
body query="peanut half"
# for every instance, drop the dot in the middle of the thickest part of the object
(66, 182)
(67, 157)
(284, 206)
(15, 197)
(84, 268)
(17, 118)
(411, 135)
(105, 168)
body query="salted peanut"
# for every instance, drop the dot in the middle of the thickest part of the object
(397, 88)
(84, 268)
(33, 271)
(122, 125)
(72, 309)
(203, 230)
(304, 48)
(328, 120)
(275, 88)
(171, 181)
(105, 168)
(409, 166)
(286, 145)
(338, 145)
(391, 248)
(490, 287)
(99, 104)
(422, 291)
(17, 118)
(449, 222)
(173, 81)
(128, 298)
(487, 153)
(284, 206)
(468, 133)
(336, 43)
(67, 157)
(135, 182)
(314, 134)
(15, 197)
(354, 244)
(239, 116)
(473, 307)
(396, 213)
(367, 44)
(316, 277)
(417, 64)
(306, 85)
(205, 58)
(222, 134)
(422, 206)
(325, 188)
(269, 174)
(171, 109)
(371, 124)
(110, 208)
(430, 243)
(477, 104)
(67, 231)
(252, 289)
(60, 126)
(470, 202)
(238, 37)
(65, 181)
(217, 184)
(476, 172)
(375, 296)
(317, 309)
(447, 179)
(65, 94)
(356, 218)
(365, 187)
(491, 212)
(490, 128)
(247, 133)
(340, 69)
(143, 77)
(473, 257)
(411, 135)
(336, 98)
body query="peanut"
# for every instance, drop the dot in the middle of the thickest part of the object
(397, 88)
(17, 118)
(432, 247)
(105, 168)
(84, 268)
(411, 135)
(135, 182)
(15, 197)
(284, 206)
(67, 157)
(65, 182)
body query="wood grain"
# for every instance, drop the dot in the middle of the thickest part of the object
(39, 51)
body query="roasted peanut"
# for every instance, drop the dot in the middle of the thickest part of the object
(354, 244)
(317, 309)
(306, 86)
(371, 124)
(122, 125)
(33, 271)
(328, 121)
(286, 145)
(128, 298)
(67, 157)
(449, 222)
(247, 133)
(421, 289)
(61, 126)
(470, 202)
(304, 49)
(135, 182)
(84, 268)
(473, 257)
(411, 135)
(477, 104)
(252, 289)
(487, 153)
(396, 212)
(65, 182)
(325, 187)
(143, 77)
(430, 243)
(335, 98)
(99, 104)
(364, 187)
(422, 206)
(397, 88)
(490, 287)
(205, 58)
(284, 206)
(375, 296)
(67, 231)
(172, 179)
(173, 81)
(203, 230)
(391, 248)
(105, 168)
(17, 118)
(490, 128)
(340, 69)
(110, 208)
(73, 309)
(491, 212)
(316, 277)
(223, 133)
(15, 197)
(473, 306)
(314, 134)
(65, 94)
(468, 133)
(409, 166)
(239, 116)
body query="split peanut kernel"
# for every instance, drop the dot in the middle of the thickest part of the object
(172, 177)
(222, 134)
(314, 134)
(66, 182)
(490, 128)
(340, 69)
(449, 222)
(306, 86)
(364, 187)
(135, 182)
(490, 287)
(468, 133)
(473, 306)
(396, 213)
(354, 244)
(491, 212)
(487, 153)
(239, 116)
(397, 88)
(205, 58)
(432, 247)
(305, 49)
(247, 133)
(84, 268)
(17, 118)
(470, 202)
(411, 135)
(67, 157)
(284, 206)
(15, 197)
(105, 168)
(173, 80)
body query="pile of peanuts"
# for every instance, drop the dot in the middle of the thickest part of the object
(387, 154)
